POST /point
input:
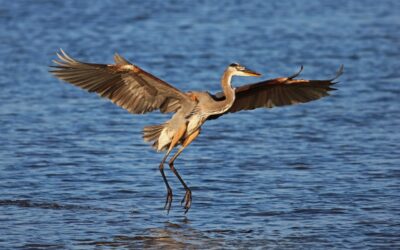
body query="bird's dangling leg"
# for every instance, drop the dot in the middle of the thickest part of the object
(178, 135)
(188, 195)
(168, 200)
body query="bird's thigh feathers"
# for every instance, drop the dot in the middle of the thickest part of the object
(165, 139)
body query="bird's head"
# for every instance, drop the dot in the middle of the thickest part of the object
(240, 70)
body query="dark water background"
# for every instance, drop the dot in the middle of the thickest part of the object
(75, 173)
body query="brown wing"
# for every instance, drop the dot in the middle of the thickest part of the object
(123, 83)
(279, 92)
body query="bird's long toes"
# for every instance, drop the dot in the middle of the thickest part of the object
(168, 201)
(188, 205)
(188, 200)
(187, 193)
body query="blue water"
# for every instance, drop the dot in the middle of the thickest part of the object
(75, 172)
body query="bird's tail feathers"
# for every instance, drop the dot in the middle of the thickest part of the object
(152, 134)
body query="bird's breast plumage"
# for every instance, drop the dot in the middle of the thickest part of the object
(194, 123)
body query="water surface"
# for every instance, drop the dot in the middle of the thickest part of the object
(75, 173)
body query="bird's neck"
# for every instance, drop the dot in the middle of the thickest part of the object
(229, 92)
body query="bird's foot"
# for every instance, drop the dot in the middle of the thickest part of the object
(187, 199)
(168, 201)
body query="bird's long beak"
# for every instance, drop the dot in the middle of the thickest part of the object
(249, 72)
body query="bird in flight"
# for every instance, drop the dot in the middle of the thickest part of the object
(139, 92)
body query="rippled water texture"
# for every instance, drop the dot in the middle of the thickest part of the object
(75, 172)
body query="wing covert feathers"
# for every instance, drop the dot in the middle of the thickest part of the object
(125, 84)
(279, 92)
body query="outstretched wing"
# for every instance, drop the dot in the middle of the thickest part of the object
(279, 92)
(123, 83)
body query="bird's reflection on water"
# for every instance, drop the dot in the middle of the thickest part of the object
(178, 235)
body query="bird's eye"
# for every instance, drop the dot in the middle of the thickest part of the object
(234, 64)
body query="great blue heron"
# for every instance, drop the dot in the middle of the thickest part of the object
(139, 92)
